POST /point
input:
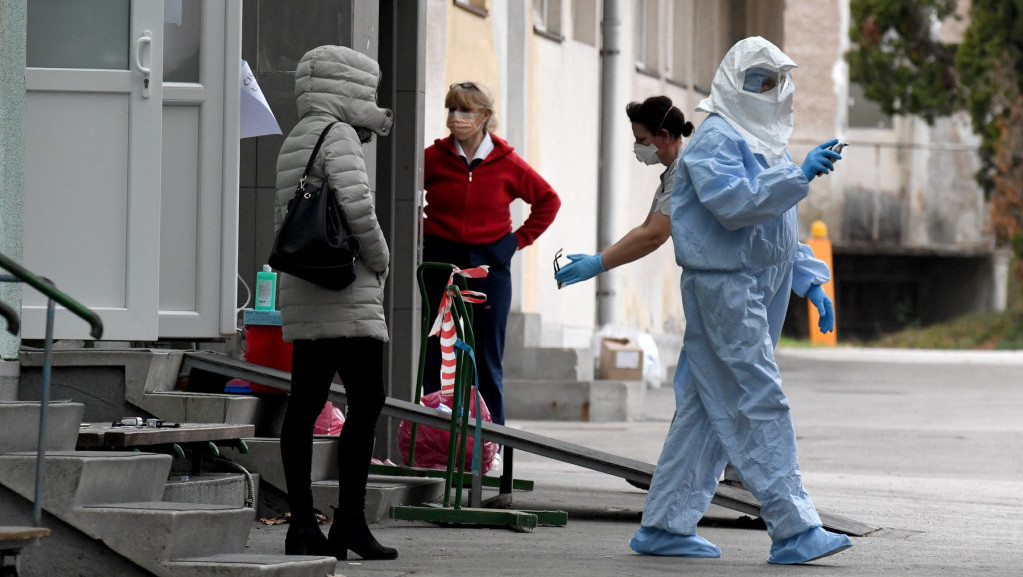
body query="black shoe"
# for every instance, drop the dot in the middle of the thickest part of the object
(350, 532)
(305, 539)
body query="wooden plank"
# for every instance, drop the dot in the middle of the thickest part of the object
(89, 437)
(631, 470)
(10, 535)
(129, 436)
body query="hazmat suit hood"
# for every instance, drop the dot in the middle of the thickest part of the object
(341, 82)
(764, 120)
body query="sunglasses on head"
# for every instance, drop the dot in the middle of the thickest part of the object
(465, 85)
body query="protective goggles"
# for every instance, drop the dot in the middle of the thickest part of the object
(759, 80)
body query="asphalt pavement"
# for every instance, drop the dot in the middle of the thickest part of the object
(925, 446)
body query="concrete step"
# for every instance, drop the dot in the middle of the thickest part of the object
(151, 533)
(524, 330)
(72, 479)
(189, 407)
(212, 488)
(245, 565)
(264, 457)
(382, 493)
(525, 358)
(19, 425)
(569, 400)
(547, 364)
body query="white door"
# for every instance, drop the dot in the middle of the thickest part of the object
(94, 108)
(199, 206)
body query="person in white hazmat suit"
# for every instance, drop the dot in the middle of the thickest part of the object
(734, 227)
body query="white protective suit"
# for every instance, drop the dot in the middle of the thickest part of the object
(734, 227)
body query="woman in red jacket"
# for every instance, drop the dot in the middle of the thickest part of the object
(471, 178)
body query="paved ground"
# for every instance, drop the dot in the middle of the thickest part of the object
(928, 447)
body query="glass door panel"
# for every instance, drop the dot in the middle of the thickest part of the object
(78, 34)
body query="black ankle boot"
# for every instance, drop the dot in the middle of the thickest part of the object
(350, 532)
(305, 539)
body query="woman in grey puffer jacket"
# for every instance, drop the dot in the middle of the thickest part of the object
(335, 331)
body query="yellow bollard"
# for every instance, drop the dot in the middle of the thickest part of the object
(821, 246)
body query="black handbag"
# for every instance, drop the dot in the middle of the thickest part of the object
(314, 243)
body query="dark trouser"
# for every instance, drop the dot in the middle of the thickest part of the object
(489, 319)
(359, 362)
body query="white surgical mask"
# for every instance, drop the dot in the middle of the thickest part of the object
(646, 153)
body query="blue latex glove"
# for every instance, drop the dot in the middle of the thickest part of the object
(819, 160)
(582, 267)
(824, 308)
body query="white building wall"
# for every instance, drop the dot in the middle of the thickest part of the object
(549, 106)
(563, 139)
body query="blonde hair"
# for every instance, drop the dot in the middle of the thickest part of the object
(473, 96)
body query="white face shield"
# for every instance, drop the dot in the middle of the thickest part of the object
(753, 91)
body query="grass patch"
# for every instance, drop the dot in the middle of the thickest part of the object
(984, 331)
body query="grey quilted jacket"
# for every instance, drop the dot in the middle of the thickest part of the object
(335, 83)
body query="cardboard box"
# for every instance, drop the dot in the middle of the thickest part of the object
(621, 360)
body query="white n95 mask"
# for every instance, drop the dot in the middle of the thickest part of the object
(646, 153)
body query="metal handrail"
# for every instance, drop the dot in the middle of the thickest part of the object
(13, 322)
(45, 286)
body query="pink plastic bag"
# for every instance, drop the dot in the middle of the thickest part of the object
(330, 421)
(432, 443)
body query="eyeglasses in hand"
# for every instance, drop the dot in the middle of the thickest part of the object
(557, 266)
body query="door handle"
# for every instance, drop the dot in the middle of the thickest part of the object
(146, 39)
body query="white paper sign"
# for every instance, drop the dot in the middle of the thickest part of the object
(256, 117)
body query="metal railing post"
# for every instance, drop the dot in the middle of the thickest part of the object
(53, 296)
(37, 506)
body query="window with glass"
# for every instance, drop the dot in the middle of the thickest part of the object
(705, 44)
(863, 112)
(680, 39)
(478, 7)
(89, 34)
(547, 18)
(647, 19)
(584, 21)
(182, 28)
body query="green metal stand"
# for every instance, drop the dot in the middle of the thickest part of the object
(451, 511)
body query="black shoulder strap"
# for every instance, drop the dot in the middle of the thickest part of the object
(312, 157)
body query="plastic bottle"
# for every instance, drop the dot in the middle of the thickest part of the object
(266, 289)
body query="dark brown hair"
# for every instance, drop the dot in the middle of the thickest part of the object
(656, 113)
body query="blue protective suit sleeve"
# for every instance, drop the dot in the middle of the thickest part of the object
(719, 173)
(808, 270)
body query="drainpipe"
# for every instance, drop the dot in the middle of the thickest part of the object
(608, 167)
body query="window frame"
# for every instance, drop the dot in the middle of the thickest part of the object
(641, 20)
(672, 75)
(468, 6)
(542, 28)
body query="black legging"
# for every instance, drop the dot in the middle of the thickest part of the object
(359, 361)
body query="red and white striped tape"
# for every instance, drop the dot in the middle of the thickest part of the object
(444, 324)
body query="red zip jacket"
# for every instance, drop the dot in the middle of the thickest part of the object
(473, 207)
